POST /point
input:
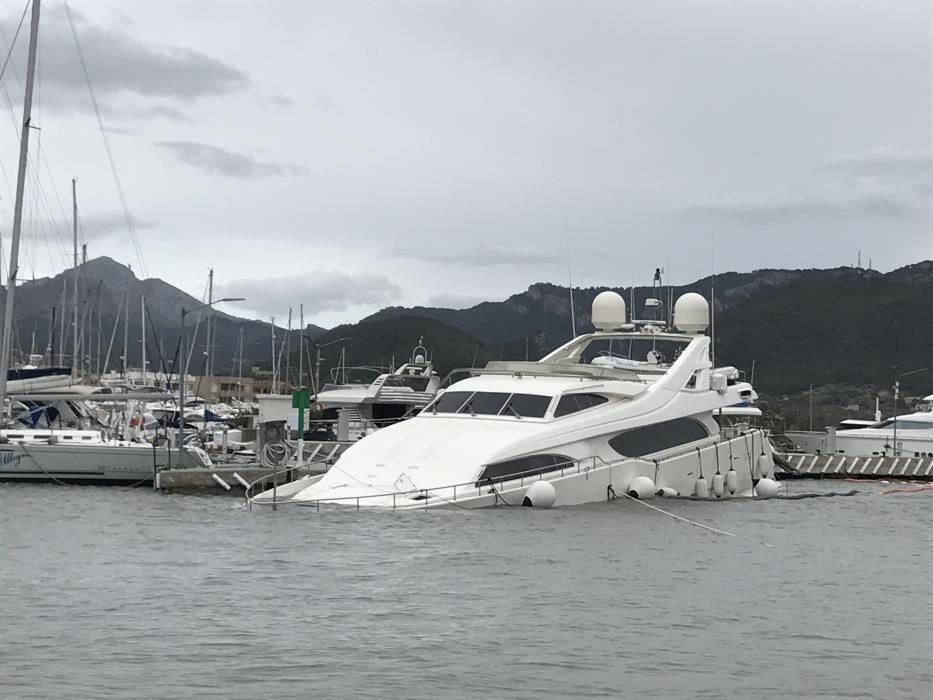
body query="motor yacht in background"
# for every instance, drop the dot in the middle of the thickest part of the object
(391, 397)
(628, 409)
(908, 435)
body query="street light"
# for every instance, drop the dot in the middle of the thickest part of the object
(897, 391)
(183, 371)
(318, 358)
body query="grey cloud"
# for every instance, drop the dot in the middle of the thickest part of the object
(91, 227)
(804, 210)
(102, 225)
(483, 256)
(278, 101)
(454, 301)
(319, 291)
(120, 67)
(883, 162)
(218, 161)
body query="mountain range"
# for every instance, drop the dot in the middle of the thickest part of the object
(791, 328)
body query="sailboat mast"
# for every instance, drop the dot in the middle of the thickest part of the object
(62, 337)
(142, 317)
(6, 343)
(126, 322)
(74, 288)
(85, 348)
(239, 379)
(210, 326)
(272, 330)
(288, 350)
(301, 345)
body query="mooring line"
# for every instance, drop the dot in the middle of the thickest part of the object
(672, 515)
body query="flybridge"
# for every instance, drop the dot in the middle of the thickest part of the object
(568, 368)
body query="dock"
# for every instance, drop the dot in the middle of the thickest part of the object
(224, 479)
(231, 477)
(836, 466)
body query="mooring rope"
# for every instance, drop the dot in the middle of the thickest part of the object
(669, 514)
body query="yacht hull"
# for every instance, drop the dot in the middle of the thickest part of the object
(583, 481)
(83, 464)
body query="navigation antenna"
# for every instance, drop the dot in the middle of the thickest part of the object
(712, 306)
(573, 318)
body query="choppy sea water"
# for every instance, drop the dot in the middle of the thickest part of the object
(108, 592)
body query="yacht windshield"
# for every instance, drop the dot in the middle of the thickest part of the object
(450, 402)
(491, 403)
(904, 424)
(663, 351)
(484, 403)
(527, 405)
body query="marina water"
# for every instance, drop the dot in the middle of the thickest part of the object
(110, 592)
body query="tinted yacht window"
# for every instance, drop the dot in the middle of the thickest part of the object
(577, 402)
(526, 406)
(526, 466)
(660, 436)
(450, 402)
(485, 403)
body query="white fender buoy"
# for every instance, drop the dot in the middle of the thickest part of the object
(702, 488)
(719, 482)
(641, 487)
(732, 481)
(540, 494)
(764, 465)
(767, 488)
(667, 491)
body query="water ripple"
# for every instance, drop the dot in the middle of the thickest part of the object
(128, 594)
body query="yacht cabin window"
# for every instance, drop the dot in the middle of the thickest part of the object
(524, 466)
(651, 350)
(527, 406)
(649, 439)
(450, 401)
(577, 402)
(491, 403)
(485, 403)
(905, 424)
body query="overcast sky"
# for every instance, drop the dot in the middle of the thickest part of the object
(349, 155)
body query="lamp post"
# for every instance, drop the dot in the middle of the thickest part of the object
(183, 372)
(318, 358)
(811, 408)
(897, 392)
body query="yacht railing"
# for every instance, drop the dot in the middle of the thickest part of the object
(474, 488)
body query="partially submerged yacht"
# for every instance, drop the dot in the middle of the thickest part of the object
(627, 410)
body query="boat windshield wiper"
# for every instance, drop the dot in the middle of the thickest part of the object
(512, 410)
(469, 407)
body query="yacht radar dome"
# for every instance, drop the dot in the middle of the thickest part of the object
(691, 313)
(608, 311)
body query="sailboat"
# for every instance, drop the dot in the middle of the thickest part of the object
(63, 455)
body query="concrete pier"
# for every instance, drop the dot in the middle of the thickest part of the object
(836, 466)
(201, 480)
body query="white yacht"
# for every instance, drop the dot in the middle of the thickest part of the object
(909, 435)
(625, 411)
(389, 398)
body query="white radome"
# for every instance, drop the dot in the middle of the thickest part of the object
(691, 313)
(608, 312)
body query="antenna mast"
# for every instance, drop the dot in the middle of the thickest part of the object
(573, 317)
